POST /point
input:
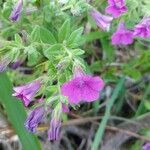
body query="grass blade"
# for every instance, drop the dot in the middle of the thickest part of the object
(102, 125)
(141, 109)
(16, 114)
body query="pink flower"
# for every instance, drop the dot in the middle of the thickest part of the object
(143, 28)
(101, 20)
(27, 92)
(116, 8)
(16, 13)
(82, 88)
(122, 36)
(54, 130)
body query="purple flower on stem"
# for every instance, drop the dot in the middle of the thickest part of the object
(146, 146)
(116, 8)
(82, 88)
(16, 64)
(54, 130)
(143, 28)
(16, 12)
(34, 119)
(122, 36)
(27, 92)
(101, 20)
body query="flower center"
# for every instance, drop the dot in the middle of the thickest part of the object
(80, 84)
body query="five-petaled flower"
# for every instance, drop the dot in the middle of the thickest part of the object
(101, 20)
(16, 12)
(116, 8)
(34, 119)
(27, 92)
(82, 88)
(122, 36)
(143, 28)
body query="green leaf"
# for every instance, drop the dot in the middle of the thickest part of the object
(35, 34)
(8, 31)
(108, 49)
(41, 34)
(16, 114)
(18, 39)
(14, 54)
(132, 72)
(53, 51)
(46, 36)
(92, 36)
(141, 109)
(77, 52)
(103, 123)
(33, 55)
(64, 31)
(147, 105)
(74, 38)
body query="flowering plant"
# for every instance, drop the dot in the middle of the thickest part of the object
(43, 49)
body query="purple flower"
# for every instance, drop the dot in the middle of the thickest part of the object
(146, 146)
(16, 64)
(116, 8)
(65, 108)
(122, 36)
(27, 92)
(34, 119)
(54, 130)
(101, 20)
(143, 28)
(16, 12)
(82, 88)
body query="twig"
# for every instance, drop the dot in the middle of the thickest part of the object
(80, 121)
(143, 138)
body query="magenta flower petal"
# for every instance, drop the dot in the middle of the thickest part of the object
(27, 92)
(34, 119)
(92, 88)
(89, 95)
(116, 8)
(16, 13)
(83, 88)
(101, 20)
(143, 28)
(111, 2)
(97, 83)
(112, 10)
(68, 89)
(122, 36)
